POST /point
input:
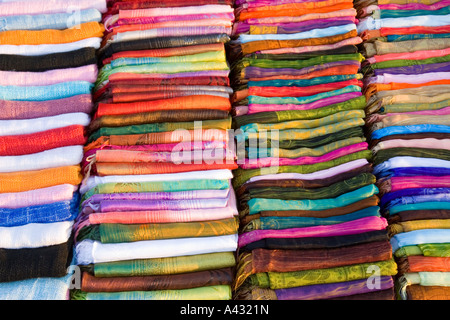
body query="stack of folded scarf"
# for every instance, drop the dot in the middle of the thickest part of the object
(309, 215)
(407, 89)
(158, 215)
(47, 71)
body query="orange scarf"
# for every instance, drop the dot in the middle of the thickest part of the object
(51, 36)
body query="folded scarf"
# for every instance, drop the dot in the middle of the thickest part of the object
(97, 199)
(335, 154)
(35, 197)
(167, 42)
(284, 280)
(264, 260)
(218, 292)
(296, 9)
(214, 179)
(221, 124)
(42, 141)
(29, 126)
(120, 233)
(423, 54)
(296, 192)
(419, 237)
(363, 204)
(396, 197)
(398, 183)
(419, 199)
(408, 226)
(315, 106)
(346, 228)
(425, 279)
(424, 249)
(357, 103)
(244, 175)
(306, 123)
(45, 49)
(409, 162)
(56, 21)
(53, 158)
(245, 28)
(137, 205)
(314, 33)
(185, 103)
(198, 279)
(128, 5)
(30, 180)
(168, 32)
(422, 264)
(46, 213)
(82, 73)
(40, 109)
(82, 57)
(184, 181)
(169, 79)
(287, 222)
(35, 235)
(52, 6)
(318, 242)
(106, 169)
(412, 215)
(164, 138)
(305, 182)
(94, 252)
(433, 293)
(424, 153)
(359, 164)
(320, 48)
(164, 68)
(343, 290)
(371, 23)
(411, 143)
(163, 216)
(431, 205)
(41, 93)
(45, 262)
(260, 204)
(49, 36)
(254, 46)
(162, 266)
(37, 289)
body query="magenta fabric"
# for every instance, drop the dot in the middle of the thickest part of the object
(347, 228)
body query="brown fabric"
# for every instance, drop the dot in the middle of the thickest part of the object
(359, 205)
(264, 260)
(418, 215)
(254, 46)
(418, 292)
(91, 283)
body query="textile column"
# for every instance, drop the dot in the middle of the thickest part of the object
(407, 88)
(310, 222)
(158, 215)
(47, 72)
